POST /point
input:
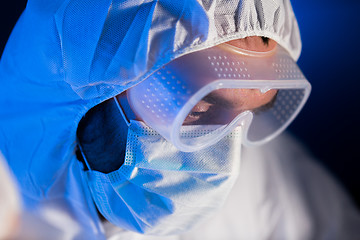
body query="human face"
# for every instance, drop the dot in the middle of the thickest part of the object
(220, 88)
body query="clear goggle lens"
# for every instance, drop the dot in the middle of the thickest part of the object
(214, 90)
(263, 114)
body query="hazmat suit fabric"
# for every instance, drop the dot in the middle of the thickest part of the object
(66, 56)
(174, 190)
(280, 194)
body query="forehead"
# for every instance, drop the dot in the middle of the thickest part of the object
(254, 43)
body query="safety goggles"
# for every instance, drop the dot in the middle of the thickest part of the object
(214, 90)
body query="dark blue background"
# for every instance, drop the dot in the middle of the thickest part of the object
(330, 59)
(329, 124)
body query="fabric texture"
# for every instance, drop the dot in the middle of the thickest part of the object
(66, 56)
(281, 193)
(160, 190)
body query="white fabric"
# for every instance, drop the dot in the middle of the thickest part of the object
(160, 190)
(282, 194)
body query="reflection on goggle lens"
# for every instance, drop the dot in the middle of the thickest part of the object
(223, 105)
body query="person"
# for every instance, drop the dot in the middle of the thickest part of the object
(69, 59)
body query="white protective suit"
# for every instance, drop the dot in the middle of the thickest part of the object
(66, 56)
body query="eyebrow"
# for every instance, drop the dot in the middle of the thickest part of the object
(265, 40)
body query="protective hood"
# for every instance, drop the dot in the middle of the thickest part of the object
(108, 46)
(101, 48)
(66, 56)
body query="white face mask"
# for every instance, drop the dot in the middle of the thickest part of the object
(160, 190)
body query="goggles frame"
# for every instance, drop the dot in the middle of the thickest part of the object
(182, 83)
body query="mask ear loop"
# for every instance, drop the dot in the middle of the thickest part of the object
(121, 110)
(84, 157)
